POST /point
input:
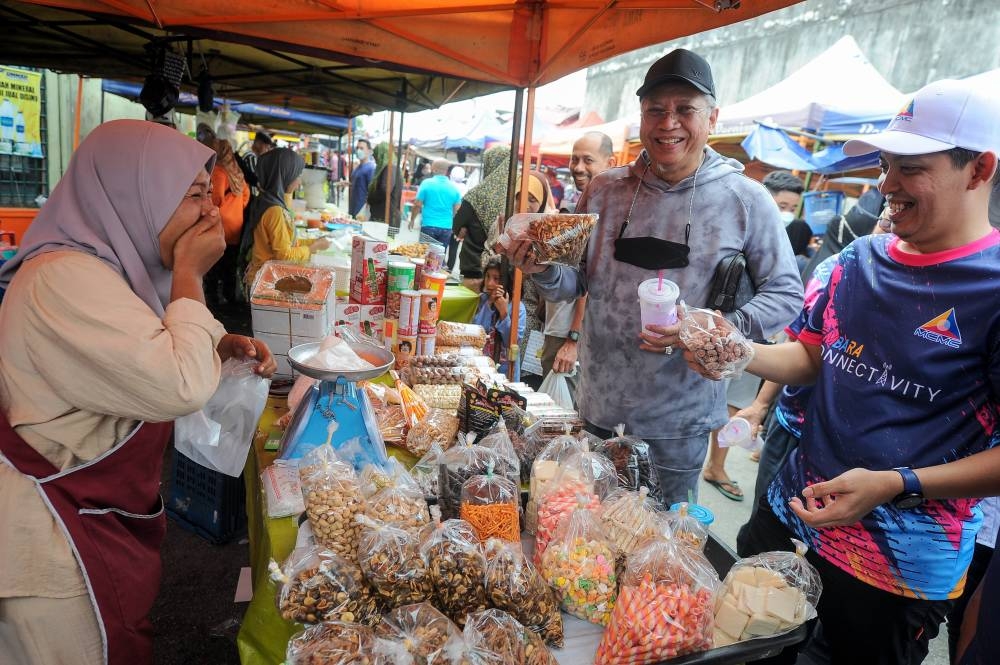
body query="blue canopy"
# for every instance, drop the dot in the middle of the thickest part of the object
(318, 120)
(774, 146)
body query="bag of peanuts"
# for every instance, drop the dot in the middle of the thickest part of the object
(333, 499)
(334, 643)
(438, 427)
(456, 465)
(628, 519)
(400, 501)
(765, 595)
(516, 586)
(390, 560)
(580, 564)
(494, 637)
(543, 471)
(492, 505)
(633, 462)
(664, 606)
(317, 585)
(454, 559)
(425, 472)
(679, 525)
(717, 345)
(418, 634)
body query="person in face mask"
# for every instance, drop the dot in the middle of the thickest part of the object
(273, 230)
(786, 190)
(361, 177)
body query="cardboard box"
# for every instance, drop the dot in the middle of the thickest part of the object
(371, 320)
(270, 319)
(284, 369)
(279, 344)
(369, 270)
(306, 323)
(347, 314)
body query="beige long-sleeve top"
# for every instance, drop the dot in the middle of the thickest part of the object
(82, 361)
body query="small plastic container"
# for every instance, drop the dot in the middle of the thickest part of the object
(738, 433)
(700, 513)
(658, 303)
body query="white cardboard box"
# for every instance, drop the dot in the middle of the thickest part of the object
(269, 319)
(279, 344)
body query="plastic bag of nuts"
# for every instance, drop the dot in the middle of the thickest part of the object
(494, 637)
(390, 560)
(333, 498)
(715, 343)
(400, 502)
(515, 586)
(418, 634)
(555, 237)
(679, 525)
(437, 427)
(455, 561)
(334, 643)
(317, 585)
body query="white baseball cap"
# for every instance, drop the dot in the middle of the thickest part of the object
(942, 115)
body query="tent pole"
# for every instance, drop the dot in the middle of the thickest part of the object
(515, 138)
(79, 110)
(522, 205)
(402, 116)
(388, 171)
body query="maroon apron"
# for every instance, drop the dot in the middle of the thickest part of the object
(111, 511)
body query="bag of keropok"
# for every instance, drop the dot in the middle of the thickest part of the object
(664, 606)
(767, 594)
(580, 564)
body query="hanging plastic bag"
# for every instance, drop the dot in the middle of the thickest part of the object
(333, 499)
(457, 567)
(580, 564)
(317, 585)
(494, 637)
(715, 342)
(390, 560)
(334, 643)
(516, 586)
(633, 462)
(767, 594)
(418, 634)
(556, 387)
(219, 435)
(664, 606)
(491, 505)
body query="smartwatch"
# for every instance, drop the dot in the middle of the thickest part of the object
(912, 495)
(574, 335)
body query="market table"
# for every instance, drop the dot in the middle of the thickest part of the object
(459, 304)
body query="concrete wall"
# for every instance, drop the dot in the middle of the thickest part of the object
(911, 42)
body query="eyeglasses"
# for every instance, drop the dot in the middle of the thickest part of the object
(200, 197)
(681, 113)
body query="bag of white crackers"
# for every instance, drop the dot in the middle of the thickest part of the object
(765, 595)
(715, 342)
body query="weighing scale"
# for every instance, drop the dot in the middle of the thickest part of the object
(336, 411)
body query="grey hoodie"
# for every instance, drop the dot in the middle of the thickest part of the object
(657, 396)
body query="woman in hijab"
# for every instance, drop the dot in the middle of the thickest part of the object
(377, 187)
(799, 235)
(480, 208)
(271, 232)
(230, 194)
(104, 340)
(842, 231)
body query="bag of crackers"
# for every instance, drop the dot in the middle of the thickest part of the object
(514, 585)
(390, 560)
(492, 505)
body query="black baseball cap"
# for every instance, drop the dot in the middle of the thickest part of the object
(264, 138)
(679, 65)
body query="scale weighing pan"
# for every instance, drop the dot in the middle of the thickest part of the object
(299, 357)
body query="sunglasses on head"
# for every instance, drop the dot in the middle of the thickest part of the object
(650, 252)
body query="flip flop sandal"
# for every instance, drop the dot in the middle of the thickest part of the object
(721, 485)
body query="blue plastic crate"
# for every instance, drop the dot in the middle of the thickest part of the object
(209, 503)
(820, 208)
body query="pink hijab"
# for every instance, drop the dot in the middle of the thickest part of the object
(123, 184)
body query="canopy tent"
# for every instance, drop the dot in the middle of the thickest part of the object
(774, 146)
(287, 119)
(837, 91)
(559, 141)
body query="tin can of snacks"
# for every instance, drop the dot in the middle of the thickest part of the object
(429, 306)
(400, 279)
(390, 330)
(409, 312)
(404, 349)
(435, 258)
(425, 345)
(435, 281)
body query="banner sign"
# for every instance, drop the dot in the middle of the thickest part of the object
(20, 112)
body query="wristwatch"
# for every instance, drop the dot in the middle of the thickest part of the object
(913, 492)
(574, 335)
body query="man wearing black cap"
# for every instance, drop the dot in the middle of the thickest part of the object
(262, 142)
(678, 210)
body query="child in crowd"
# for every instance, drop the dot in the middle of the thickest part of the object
(494, 316)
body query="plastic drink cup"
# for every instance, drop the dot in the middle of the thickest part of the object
(737, 432)
(658, 303)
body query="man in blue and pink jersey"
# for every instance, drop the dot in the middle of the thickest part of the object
(903, 346)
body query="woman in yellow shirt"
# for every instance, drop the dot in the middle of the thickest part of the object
(272, 223)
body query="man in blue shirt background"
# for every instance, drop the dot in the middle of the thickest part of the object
(361, 177)
(438, 199)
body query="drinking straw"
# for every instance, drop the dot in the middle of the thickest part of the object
(659, 285)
